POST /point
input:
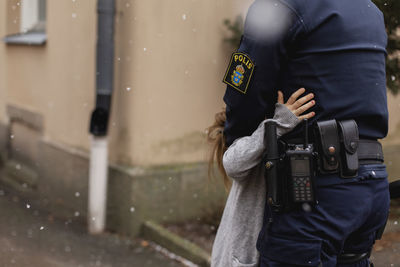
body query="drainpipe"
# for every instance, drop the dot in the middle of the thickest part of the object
(98, 169)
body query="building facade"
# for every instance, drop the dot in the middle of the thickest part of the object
(170, 58)
(169, 61)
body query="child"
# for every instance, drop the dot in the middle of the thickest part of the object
(235, 242)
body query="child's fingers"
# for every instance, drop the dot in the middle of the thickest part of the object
(280, 97)
(307, 116)
(295, 95)
(304, 108)
(303, 100)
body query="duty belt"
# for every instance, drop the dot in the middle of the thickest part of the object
(339, 148)
(370, 152)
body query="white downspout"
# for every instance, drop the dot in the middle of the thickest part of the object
(98, 169)
(98, 174)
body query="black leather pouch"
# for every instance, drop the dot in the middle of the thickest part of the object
(350, 138)
(329, 145)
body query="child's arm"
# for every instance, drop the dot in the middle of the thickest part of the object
(246, 152)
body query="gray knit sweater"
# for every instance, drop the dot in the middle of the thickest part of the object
(235, 242)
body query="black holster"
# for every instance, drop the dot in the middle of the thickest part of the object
(337, 143)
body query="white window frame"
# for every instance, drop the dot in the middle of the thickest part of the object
(33, 15)
(32, 24)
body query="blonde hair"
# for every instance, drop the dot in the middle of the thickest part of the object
(216, 138)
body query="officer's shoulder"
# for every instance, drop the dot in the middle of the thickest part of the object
(304, 10)
(297, 7)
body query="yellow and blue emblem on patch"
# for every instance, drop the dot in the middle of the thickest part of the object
(240, 71)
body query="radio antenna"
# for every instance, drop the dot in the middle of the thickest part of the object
(305, 133)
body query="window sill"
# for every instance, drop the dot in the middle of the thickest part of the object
(29, 38)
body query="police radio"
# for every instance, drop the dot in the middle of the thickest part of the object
(300, 175)
(289, 171)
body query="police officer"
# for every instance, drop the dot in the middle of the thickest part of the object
(335, 49)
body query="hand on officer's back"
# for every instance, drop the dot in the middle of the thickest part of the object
(299, 106)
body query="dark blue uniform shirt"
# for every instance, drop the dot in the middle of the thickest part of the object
(333, 48)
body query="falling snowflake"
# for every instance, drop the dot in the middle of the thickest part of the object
(306, 207)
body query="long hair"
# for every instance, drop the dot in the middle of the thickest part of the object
(216, 138)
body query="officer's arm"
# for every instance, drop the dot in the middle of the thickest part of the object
(269, 28)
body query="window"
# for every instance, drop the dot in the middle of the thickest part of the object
(32, 23)
(33, 15)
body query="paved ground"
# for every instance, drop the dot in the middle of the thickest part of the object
(387, 251)
(32, 238)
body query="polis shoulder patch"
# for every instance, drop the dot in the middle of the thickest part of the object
(240, 71)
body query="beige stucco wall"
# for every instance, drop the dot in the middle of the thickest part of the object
(56, 80)
(394, 120)
(169, 63)
(170, 55)
(3, 75)
(173, 58)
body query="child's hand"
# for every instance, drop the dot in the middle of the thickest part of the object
(298, 107)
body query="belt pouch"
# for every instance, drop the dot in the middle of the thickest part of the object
(329, 146)
(350, 138)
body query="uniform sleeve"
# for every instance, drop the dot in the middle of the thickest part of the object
(246, 152)
(269, 28)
